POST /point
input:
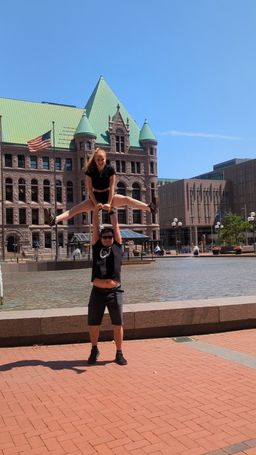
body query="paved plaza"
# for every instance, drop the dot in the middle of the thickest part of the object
(185, 396)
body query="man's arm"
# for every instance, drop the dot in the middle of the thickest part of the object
(114, 222)
(95, 225)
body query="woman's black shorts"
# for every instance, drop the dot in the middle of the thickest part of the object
(101, 197)
(102, 298)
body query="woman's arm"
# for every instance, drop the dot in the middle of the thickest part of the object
(112, 184)
(88, 182)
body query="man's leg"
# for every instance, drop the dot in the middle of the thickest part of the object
(118, 337)
(94, 331)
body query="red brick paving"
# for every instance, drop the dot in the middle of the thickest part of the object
(170, 399)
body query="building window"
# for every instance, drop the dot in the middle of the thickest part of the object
(118, 166)
(68, 164)
(133, 167)
(108, 162)
(88, 145)
(83, 192)
(58, 164)
(81, 146)
(35, 216)
(70, 197)
(119, 142)
(9, 216)
(47, 195)
(123, 164)
(136, 216)
(22, 190)
(8, 189)
(84, 218)
(120, 188)
(22, 216)
(48, 240)
(152, 190)
(35, 240)
(151, 150)
(46, 163)
(60, 239)
(21, 161)
(122, 216)
(151, 167)
(137, 167)
(81, 163)
(8, 160)
(105, 217)
(58, 191)
(136, 191)
(33, 162)
(34, 190)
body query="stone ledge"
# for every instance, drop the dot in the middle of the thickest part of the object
(154, 319)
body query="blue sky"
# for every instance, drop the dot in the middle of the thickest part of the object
(188, 66)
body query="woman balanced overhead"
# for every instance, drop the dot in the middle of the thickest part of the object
(100, 184)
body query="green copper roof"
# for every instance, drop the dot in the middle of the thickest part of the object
(23, 120)
(102, 103)
(84, 127)
(146, 134)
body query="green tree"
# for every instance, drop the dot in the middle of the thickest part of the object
(234, 229)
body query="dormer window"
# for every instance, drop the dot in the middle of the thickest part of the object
(120, 141)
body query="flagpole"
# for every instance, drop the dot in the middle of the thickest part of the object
(2, 189)
(55, 192)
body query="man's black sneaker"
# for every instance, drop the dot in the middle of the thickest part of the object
(153, 206)
(94, 355)
(49, 218)
(120, 358)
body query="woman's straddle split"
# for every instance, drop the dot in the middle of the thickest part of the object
(100, 184)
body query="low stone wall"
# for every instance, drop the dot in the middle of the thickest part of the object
(155, 319)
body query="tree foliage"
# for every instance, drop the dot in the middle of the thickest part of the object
(234, 229)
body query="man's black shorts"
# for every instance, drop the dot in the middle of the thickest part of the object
(102, 298)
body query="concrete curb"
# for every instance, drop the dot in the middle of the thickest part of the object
(144, 320)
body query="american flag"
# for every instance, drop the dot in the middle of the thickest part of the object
(40, 142)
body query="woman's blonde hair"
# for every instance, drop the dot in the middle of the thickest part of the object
(91, 163)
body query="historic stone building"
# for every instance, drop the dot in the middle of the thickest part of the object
(31, 182)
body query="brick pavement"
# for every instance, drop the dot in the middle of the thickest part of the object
(170, 399)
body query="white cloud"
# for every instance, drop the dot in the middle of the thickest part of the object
(201, 135)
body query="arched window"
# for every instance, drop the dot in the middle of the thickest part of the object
(8, 189)
(34, 190)
(136, 191)
(58, 191)
(121, 188)
(47, 192)
(22, 190)
(70, 197)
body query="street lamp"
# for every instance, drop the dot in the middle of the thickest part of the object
(218, 226)
(176, 224)
(252, 220)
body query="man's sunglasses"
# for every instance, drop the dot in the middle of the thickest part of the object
(107, 237)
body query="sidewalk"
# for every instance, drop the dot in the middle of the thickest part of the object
(184, 396)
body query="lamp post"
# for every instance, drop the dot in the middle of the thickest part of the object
(218, 226)
(252, 220)
(176, 224)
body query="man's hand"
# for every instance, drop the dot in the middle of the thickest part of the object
(98, 207)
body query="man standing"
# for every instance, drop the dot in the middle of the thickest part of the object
(106, 280)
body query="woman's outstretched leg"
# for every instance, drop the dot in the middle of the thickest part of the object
(84, 206)
(120, 201)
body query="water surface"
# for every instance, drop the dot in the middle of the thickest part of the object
(165, 279)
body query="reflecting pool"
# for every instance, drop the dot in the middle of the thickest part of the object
(165, 279)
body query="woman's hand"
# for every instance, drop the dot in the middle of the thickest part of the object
(98, 206)
(107, 207)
